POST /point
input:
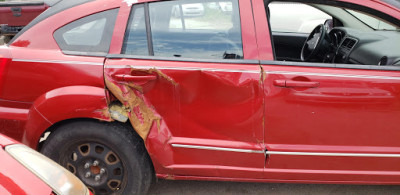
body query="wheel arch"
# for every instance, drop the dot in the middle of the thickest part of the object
(63, 104)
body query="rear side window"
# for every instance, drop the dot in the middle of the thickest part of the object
(187, 29)
(89, 35)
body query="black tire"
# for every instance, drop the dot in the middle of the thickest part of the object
(123, 165)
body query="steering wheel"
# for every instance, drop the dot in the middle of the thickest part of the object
(313, 43)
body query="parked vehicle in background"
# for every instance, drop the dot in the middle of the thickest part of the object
(15, 14)
(25, 171)
(193, 9)
(225, 6)
(122, 91)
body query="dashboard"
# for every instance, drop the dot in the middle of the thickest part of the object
(350, 46)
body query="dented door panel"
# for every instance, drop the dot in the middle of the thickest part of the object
(202, 119)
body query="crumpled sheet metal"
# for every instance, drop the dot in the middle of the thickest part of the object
(190, 103)
(134, 106)
(139, 112)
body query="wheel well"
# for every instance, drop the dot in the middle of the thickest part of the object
(54, 127)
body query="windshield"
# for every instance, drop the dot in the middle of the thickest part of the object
(373, 22)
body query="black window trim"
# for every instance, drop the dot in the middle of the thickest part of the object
(161, 58)
(148, 29)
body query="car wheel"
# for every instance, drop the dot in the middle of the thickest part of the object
(107, 157)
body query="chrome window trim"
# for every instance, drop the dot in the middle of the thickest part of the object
(285, 153)
(216, 148)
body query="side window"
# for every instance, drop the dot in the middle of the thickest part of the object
(187, 29)
(295, 17)
(333, 32)
(91, 34)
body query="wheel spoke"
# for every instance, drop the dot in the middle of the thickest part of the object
(97, 166)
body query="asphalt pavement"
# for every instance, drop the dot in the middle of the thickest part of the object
(167, 187)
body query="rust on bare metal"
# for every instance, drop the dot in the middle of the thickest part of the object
(139, 113)
(170, 177)
(105, 114)
(263, 75)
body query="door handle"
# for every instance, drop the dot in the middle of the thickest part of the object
(291, 84)
(136, 79)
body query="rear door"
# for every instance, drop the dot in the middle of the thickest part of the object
(193, 93)
(329, 122)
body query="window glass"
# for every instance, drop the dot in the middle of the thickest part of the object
(135, 37)
(189, 29)
(90, 34)
(194, 29)
(295, 17)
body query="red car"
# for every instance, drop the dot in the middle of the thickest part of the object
(25, 171)
(121, 91)
(15, 14)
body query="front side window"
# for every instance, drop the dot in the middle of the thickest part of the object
(187, 29)
(91, 34)
(341, 33)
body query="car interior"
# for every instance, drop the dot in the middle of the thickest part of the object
(340, 33)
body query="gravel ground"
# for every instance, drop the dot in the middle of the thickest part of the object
(165, 187)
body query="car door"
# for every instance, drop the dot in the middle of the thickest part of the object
(329, 122)
(190, 87)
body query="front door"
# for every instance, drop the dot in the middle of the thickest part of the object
(335, 121)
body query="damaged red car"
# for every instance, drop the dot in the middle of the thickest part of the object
(123, 91)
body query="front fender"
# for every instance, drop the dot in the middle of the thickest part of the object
(62, 104)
